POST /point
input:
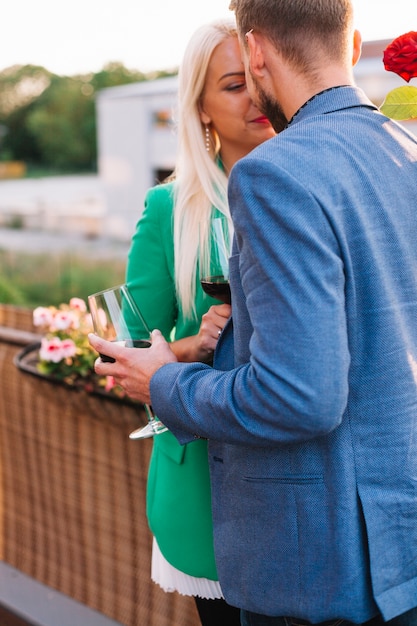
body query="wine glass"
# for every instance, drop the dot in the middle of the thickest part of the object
(214, 258)
(116, 317)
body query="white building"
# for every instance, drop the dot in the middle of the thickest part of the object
(137, 141)
(136, 147)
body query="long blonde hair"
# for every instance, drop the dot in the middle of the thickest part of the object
(200, 183)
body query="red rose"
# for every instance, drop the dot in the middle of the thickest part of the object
(401, 56)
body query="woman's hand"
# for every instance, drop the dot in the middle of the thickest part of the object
(200, 347)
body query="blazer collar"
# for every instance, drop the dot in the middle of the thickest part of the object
(330, 100)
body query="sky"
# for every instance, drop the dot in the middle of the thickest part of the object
(82, 36)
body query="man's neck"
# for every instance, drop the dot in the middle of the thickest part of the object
(293, 89)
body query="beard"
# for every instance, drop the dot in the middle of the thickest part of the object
(269, 107)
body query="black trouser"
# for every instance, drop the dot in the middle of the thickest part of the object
(217, 613)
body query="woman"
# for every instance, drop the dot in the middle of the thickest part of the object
(218, 124)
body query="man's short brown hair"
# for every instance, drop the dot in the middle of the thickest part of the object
(298, 28)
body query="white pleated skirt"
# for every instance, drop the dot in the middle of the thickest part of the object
(170, 579)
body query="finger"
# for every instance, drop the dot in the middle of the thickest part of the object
(222, 310)
(225, 310)
(93, 339)
(98, 366)
(157, 337)
(109, 348)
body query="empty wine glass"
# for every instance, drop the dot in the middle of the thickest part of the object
(116, 317)
(214, 259)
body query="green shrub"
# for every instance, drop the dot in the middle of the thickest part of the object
(42, 279)
(9, 293)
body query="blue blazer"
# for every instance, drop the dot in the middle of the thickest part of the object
(311, 407)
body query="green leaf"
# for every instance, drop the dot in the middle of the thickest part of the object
(400, 103)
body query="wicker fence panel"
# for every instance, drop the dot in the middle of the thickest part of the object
(72, 498)
(16, 317)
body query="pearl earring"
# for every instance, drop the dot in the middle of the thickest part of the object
(207, 139)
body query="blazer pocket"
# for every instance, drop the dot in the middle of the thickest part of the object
(291, 479)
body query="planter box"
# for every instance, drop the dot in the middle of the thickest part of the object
(73, 495)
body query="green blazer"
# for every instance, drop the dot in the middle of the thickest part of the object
(178, 493)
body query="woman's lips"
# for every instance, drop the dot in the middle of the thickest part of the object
(261, 120)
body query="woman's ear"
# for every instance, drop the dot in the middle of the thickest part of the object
(205, 119)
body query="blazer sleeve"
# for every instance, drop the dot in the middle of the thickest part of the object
(149, 272)
(290, 377)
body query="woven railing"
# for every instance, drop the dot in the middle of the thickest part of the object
(72, 493)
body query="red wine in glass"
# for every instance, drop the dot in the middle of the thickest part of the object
(217, 287)
(214, 251)
(128, 343)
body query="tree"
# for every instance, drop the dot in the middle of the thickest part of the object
(63, 125)
(20, 87)
(49, 120)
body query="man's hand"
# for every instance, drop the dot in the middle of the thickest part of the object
(133, 367)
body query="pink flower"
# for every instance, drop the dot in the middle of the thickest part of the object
(65, 353)
(78, 304)
(51, 350)
(110, 383)
(68, 347)
(42, 316)
(64, 320)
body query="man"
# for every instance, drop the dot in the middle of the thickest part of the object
(311, 407)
